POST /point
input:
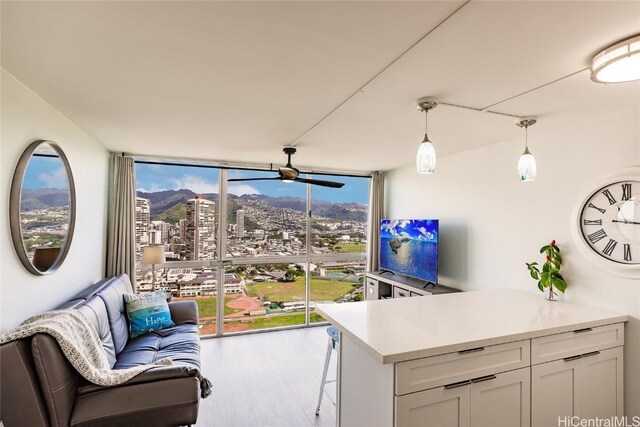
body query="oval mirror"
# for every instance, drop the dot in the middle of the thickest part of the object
(42, 207)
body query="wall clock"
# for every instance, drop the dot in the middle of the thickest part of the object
(606, 223)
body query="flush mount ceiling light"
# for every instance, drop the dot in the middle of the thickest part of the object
(426, 156)
(527, 164)
(618, 63)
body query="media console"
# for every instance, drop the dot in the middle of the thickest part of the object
(387, 285)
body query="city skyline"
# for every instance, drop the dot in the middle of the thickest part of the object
(154, 178)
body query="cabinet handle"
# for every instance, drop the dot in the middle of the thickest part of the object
(485, 378)
(579, 331)
(471, 350)
(458, 384)
(592, 353)
(569, 359)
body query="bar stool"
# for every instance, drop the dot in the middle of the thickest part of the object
(334, 339)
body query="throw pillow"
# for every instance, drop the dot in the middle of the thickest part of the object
(147, 312)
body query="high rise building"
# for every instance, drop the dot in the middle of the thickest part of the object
(163, 228)
(182, 229)
(200, 232)
(143, 220)
(240, 223)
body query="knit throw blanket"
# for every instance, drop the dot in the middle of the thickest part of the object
(80, 344)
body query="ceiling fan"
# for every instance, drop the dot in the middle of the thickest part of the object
(290, 174)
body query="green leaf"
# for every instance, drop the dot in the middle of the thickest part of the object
(558, 257)
(545, 279)
(540, 286)
(533, 264)
(535, 274)
(544, 248)
(557, 249)
(558, 283)
(545, 267)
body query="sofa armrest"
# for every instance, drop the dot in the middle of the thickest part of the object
(160, 373)
(184, 312)
(171, 402)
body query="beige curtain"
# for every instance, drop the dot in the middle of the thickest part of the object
(121, 229)
(376, 213)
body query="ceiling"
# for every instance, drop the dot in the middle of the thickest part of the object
(236, 81)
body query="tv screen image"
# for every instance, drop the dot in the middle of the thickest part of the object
(410, 247)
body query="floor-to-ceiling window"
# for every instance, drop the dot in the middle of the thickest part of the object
(272, 250)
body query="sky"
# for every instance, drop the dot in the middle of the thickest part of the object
(45, 172)
(152, 178)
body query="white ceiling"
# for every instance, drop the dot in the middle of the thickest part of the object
(238, 80)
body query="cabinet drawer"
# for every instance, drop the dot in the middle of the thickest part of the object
(430, 372)
(559, 346)
(399, 292)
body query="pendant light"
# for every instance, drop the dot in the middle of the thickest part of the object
(426, 156)
(527, 164)
(618, 63)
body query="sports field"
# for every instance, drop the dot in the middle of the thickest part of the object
(207, 306)
(273, 321)
(351, 247)
(321, 290)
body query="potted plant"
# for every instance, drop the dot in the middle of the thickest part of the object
(550, 276)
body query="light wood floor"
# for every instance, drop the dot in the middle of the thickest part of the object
(269, 379)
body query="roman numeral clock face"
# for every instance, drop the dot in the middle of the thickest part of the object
(610, 222)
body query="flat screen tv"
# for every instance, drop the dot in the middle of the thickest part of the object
(410, 247)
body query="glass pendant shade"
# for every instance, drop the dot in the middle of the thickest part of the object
(527, 167)
(426, 157)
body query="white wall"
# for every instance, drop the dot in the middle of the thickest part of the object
(26, 117)
(491, 224)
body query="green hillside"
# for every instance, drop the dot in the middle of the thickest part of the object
(173, 215)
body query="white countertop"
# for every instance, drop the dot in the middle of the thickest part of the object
(396, 330)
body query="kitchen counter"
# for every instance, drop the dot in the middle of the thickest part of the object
(397, 330)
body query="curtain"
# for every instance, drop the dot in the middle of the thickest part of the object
(121, 228)
(376, 212)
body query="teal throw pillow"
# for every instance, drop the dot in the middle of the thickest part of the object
(147, 312)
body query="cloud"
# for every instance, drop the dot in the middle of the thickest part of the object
(152, 189)
(240, 189)
(55, 179)
(194, 183)
(198, 185)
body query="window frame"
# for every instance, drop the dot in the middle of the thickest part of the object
(222, 260)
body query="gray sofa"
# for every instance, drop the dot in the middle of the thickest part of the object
(38, 386)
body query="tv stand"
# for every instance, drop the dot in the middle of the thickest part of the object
(380, 286)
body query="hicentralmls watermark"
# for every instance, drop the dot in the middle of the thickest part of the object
(599, 422)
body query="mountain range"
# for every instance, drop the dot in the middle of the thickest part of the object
(32, 199)
(169, 205)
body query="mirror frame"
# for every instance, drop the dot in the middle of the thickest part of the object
(14, 207)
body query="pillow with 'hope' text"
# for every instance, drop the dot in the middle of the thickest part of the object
(147, 312)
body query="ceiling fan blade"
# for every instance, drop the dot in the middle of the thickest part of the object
(253, 179)
(331, 184)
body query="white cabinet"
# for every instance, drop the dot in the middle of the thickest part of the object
(431, 372)
(589, 385)
(439, 407)
(555, 392)
(602, 384)
(501, 400)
